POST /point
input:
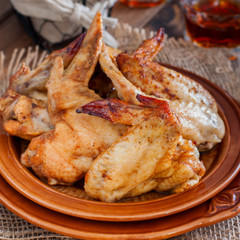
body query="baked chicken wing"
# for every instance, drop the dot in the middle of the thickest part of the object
(24, 105)
(148, 140)
(195, 107)
(23, 116)
(32, 83)
(125, 89)
(150, 155)
(63, 155)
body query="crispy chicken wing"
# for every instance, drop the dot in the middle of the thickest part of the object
(125, 89)
(185, 171)
(197, 120)
(63, 155)
(195, 107)
(151, 155)
(32, 83)
(125, 148)
(24, 105)
(23, 116)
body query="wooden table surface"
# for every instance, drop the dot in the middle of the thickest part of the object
(13, 35)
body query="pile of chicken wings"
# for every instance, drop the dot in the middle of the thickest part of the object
(123, 122)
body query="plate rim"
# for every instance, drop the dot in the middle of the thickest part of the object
(52, 221)
(129, 206)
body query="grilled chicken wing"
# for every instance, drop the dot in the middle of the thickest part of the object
(199, 122)
(32, 83)
(63, 155)
(24, 105)
(126, 148)
(125, 89)
(151, 155)
(24, 117)
(195, 107)
(185, 171)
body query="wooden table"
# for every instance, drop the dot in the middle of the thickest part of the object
(13, 35)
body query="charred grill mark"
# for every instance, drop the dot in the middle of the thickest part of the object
(122, 58)
(26, 85)
(162, 108)
(171, 95)
(34, 105)
(156, 94)
(111, 108)
(72, 50)
(142, 64)
(142, 74)
(104, 175)
(149, 48)
(149, 101)
(68, 49)
(195, 90)
(107, 109)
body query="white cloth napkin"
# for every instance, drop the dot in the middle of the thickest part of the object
(58, 20)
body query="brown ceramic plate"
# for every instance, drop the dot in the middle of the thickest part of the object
(224, 205)
(225, 168)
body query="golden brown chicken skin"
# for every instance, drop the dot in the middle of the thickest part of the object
(185, 171)
(24, 105)
(32, 83)
(195, 107)
(63, 155)
(150, 155)
(24, 117)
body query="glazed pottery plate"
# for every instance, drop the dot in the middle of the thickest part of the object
(224, 205)
(222, 172)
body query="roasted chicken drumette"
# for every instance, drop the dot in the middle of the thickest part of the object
(150, 155)
(24, 105)
(63, 155)
(194, 105)
(32, 83)
(23, 116)
(144, 141)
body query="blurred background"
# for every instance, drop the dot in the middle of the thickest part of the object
(18, 31)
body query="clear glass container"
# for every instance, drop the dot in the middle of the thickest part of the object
(213, 23)
(142, 3)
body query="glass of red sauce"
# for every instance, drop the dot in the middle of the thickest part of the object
(142, 3)
(213, 23)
